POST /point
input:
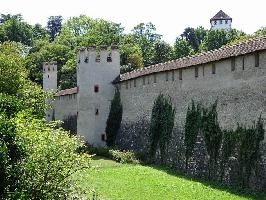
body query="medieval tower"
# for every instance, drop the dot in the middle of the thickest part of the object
(221, 21)
(96, 70)
(49, 83)
(50, 76)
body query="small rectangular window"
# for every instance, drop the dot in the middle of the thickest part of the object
(257, 59)
(213, 68)
(86, 60)
(166, 76)
(243, 63)
(143, 80)
(180, 74)
(154, 78)
(135, 84)
(196, 72)
(233, 64)
(96, 88)
(103, 137)
(96, 111)
(173, 75)
(109, 58)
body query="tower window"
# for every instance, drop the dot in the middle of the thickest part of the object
(48, 75)
(103, 136)
(243, 63)
(257, 60)
(48, 68)
(109, 58)
(173, 75)
(233, 64)
(96, 88)
(180, 74)
(96, 111)
(196, 72)
(213, 68)
(86, 60)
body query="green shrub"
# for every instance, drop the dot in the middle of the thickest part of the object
(161, 126)
(124, 156)
(51, 159)
(114, 119)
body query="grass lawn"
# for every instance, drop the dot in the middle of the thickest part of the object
(116, 181)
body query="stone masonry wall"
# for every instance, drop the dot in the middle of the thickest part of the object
(241, 95)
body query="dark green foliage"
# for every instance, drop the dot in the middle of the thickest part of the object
(54, 25)
(161, 126)
(190, 36)
(114, 119)
(192, 129)
(163, 52)
(11, 151)
(9, 105)
(228, 146)
(249, 154)
(13, 29)
(182, 48)
(212, 135)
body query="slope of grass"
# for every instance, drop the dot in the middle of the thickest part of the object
(117, 181)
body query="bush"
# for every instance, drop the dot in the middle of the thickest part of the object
(114, 119)
(121, 156)
(124, 156)
(51, 159)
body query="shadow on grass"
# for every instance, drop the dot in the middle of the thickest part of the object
(215, 185)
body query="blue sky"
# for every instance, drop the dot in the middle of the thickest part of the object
(169, 16)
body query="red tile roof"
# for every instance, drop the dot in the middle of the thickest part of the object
(67, 92)
(249, 46)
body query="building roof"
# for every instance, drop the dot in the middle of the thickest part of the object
(67, 92)
(249, 46)
(221, 15)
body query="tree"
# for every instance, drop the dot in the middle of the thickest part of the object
(13, 73)
(190, 36)
(4, 18)
(163, 52)
(192, 129)
(54, 25)
(130, 54)
(217, 38)
(85, 31)
(212, 135)
(182, 48)
(145, 36)
(114, 119)
(39, 32)
(16, 30)
(161, 126)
